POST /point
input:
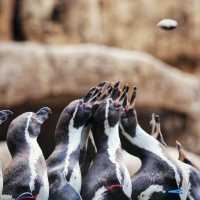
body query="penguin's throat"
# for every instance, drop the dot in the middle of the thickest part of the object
(74, 140)
(71, 167)
(73, 145)
(35, 153)
(113, 141)
(144, 142)
(108, 138)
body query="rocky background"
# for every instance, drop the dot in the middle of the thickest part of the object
(52, 51)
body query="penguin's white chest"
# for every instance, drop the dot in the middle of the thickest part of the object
(38, 171)
(74, 142)
(44, 190)
(121, 171)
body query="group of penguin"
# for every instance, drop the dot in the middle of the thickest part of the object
(87, 163)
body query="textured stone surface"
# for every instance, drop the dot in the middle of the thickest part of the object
(6, 14)
(36, 74)
(127, 24)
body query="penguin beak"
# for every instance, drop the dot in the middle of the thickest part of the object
(43, 114)
(116, 91)
(4, 115)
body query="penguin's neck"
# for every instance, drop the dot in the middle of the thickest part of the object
(147, 148)
(72, 169)
(110, 142)
(35, 153)
(73, 143)
(113, 142)
(33, 146)
(68, 147)
(143, 144)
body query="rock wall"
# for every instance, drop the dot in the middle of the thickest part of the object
(47, 74)
(6, 17)
(125, 24)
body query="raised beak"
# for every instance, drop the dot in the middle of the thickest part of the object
(43, 114)
(133, 97)
(116, 91)
(124, 95)
(4, 115)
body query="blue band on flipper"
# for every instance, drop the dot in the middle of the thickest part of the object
(177, 191)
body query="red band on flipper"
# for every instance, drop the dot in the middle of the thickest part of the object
(113, 187)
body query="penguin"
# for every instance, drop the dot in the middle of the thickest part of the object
(26, 175)
(107, 177)
(160, 176)
(194, 174)
(183, 157)
(194, 193)
(156, 130)
(88, 147)
(72, 131)
(4, 115)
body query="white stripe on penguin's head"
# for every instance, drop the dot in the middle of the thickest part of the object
(28, 121)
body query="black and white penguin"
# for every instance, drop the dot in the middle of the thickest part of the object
(194, 173)
(4, 115)
(156, 130)
(160, 176)
(71, 133)
(183, 157)
(27, 173)
(107, 178)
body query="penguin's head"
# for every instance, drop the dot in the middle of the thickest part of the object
(107, 111)
(29, 123)
(128, 120)
(80, 113)
(4, 115)
(108, 108)
(26, 126)
(75, 116)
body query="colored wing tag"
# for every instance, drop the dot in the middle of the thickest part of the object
(177, 191)
(113, 187)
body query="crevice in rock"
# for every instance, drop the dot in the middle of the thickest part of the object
(185, 63)
(17, 32)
